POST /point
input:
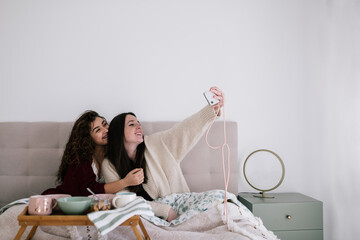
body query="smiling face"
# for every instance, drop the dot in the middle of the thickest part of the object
(99, 131)
(133, 132)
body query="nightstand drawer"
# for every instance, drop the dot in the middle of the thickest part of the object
(290, 216)
(300, 235)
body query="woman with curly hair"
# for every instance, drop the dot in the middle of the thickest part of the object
(80, 166)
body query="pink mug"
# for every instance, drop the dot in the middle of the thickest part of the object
(41, 205)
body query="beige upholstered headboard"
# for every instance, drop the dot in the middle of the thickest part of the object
(30, 154)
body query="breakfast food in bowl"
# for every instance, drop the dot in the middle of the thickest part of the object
(103, 202)
(101, 205)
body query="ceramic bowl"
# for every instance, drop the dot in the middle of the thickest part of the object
(75, 205)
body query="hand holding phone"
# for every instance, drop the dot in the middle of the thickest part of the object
(210, 98)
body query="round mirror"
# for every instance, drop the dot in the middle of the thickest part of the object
(264, 171)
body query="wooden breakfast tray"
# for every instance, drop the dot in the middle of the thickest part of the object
(70, 220)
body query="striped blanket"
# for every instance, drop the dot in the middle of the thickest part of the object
(106, 221)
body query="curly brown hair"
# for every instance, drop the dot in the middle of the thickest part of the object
(80, 146)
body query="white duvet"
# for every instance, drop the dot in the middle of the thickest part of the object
(201, 216)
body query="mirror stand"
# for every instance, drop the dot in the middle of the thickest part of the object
(262, 191)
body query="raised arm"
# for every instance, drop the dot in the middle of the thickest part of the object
(182, 137)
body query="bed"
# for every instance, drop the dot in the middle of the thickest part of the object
(30, 154)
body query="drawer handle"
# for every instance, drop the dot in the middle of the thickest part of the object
(288, 216)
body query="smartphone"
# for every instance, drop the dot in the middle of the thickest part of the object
(210, 98)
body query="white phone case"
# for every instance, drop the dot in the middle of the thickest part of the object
(209, 97)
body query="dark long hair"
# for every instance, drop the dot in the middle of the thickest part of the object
(117, 153)
(80, 146)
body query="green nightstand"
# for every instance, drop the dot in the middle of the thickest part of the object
(291, 216)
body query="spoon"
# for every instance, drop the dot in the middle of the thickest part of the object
(96, 198)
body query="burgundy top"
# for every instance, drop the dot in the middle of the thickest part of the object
(76, 180)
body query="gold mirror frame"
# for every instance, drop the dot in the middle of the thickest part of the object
(262, 191)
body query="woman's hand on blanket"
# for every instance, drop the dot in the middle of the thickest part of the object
(171, 215)
(135, 177)
(218, 95)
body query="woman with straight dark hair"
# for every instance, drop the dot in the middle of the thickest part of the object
(155, 159)
(120, 158)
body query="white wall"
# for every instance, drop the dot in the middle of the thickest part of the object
(289, 69)
(333, 110)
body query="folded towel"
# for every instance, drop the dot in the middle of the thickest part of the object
(106, 221)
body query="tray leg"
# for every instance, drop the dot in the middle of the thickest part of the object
(20, 232)
(32, 232)
(136, 231)
(143, 229)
